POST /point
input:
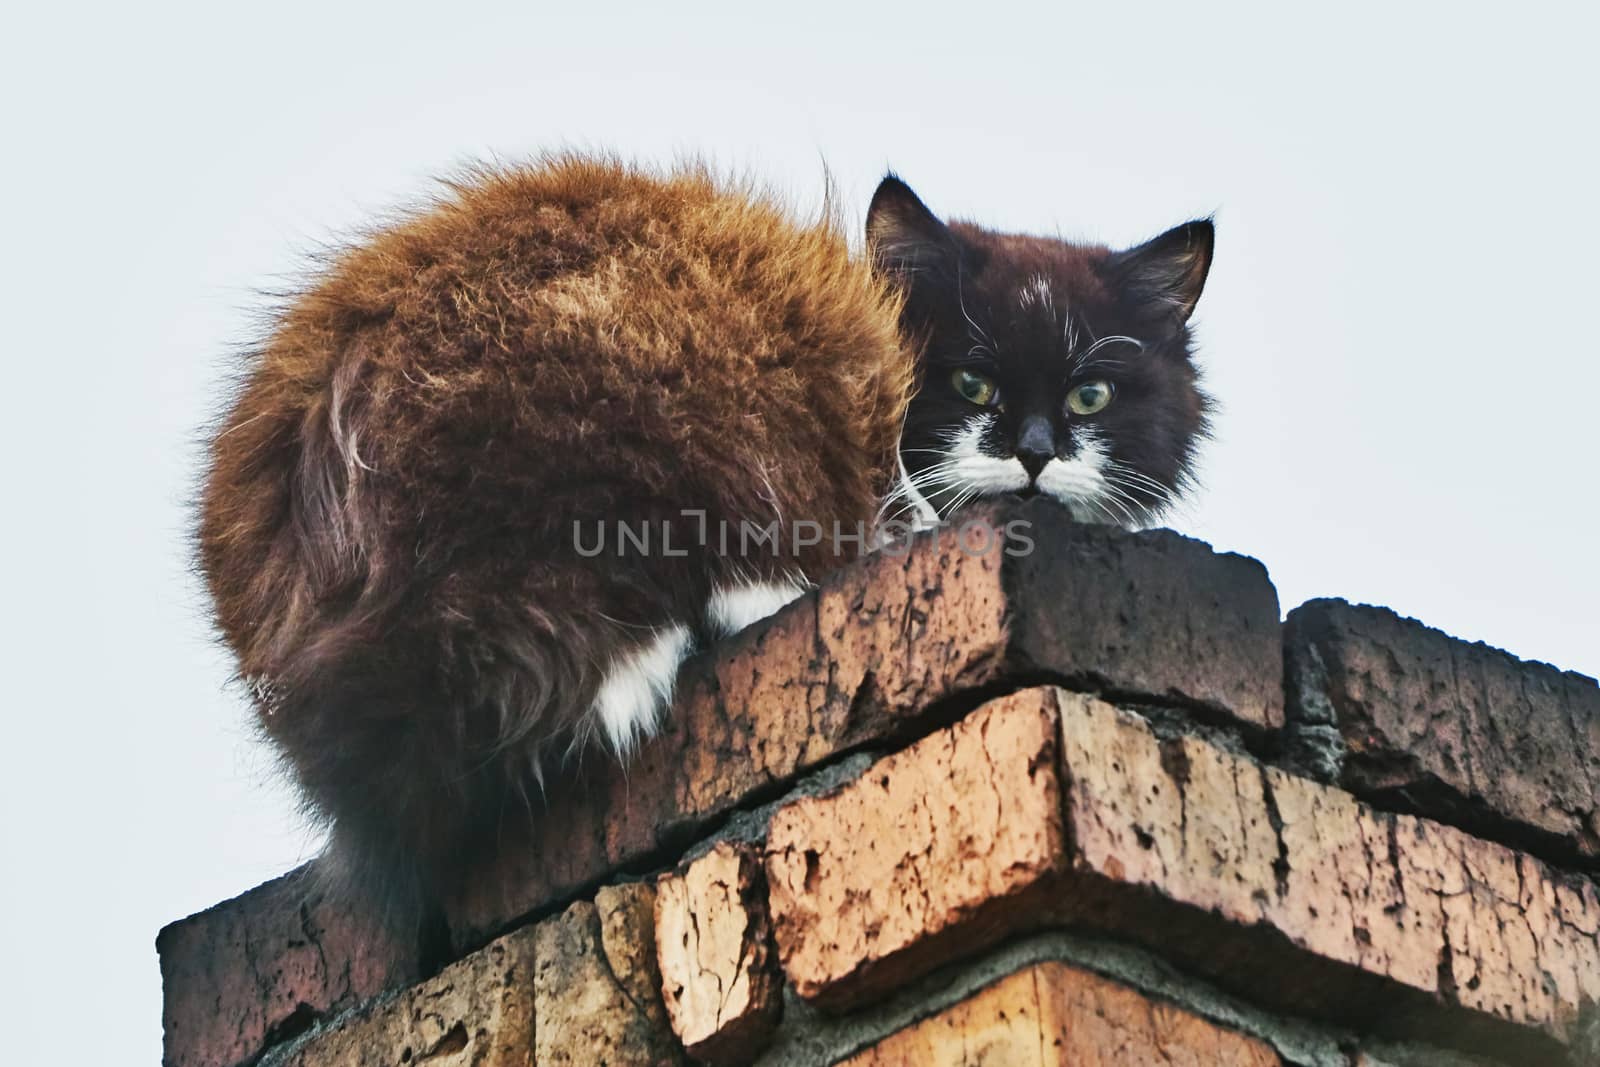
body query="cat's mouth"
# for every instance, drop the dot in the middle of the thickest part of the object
(1027, 492)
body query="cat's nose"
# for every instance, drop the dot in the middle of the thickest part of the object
(1036, 444)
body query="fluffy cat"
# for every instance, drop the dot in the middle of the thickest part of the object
(393, 520)
(388, 521)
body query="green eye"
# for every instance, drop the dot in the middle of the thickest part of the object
(1089, 398)
(978, 388)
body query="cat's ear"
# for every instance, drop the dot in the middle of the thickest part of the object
(903, 235)
(1163, 277)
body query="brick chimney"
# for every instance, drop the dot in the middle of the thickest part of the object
(1090, 803)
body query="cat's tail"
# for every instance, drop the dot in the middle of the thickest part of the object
(417, 759)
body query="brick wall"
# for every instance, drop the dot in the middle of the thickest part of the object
(1090, 805)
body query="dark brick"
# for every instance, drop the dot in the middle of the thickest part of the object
(263, 967)
(1151, 615)
(1460, 732)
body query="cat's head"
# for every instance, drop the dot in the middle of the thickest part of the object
(1045, 367)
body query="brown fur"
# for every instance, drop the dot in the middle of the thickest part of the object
(387, 521)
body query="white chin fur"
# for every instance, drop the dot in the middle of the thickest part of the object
(987, 474)
(1079, 482)
(734, 607)
(638, 688)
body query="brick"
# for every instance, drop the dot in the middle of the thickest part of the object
(476, 1013)
(1385, 905)
(596, 987)
(950, 840)
(1283, 889)
(1461, 732)
(1054, 1015)
(264, 967)
(719, 971)
(1151, 615)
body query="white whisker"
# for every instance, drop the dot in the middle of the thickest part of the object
(1124, 503)
(1086, 358)
(978, 333)
(1138, 479)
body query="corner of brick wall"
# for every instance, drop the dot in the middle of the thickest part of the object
(1091, 803)
(1464, 732)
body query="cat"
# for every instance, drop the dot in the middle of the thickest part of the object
(1046, 367)
(392, 520)
(388, 523)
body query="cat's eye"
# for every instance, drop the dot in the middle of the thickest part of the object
(1089, 398)
(978, 388)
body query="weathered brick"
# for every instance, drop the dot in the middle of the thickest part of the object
(596, 986)
(1054, 1015)
(266, 965)
(1149, 615)
(476, 1013)
(719, 974)
(1383, 903)
(1284, 889)
(953, 838)
(1152, 615)
(1461, 732)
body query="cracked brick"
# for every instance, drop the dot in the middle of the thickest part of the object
(936, 851)
(1287, 891)
(719, 972)
(596, 986)
(264, 967)
(1385, 917)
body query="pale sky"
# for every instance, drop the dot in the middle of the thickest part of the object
(1399, 326)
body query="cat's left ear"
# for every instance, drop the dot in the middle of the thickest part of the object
(1164, 276)
(904, 237)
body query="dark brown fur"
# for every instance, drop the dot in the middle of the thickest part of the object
(387, 520)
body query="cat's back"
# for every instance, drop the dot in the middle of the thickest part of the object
(592, 258)
(546, 342)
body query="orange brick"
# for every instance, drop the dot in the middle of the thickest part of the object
(719, 975)
(1285, 890)
(951, 837)
(1054, 1015)
(1423, 905)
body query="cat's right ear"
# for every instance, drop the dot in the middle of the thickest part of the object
(1164, 276)
(903, 236)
